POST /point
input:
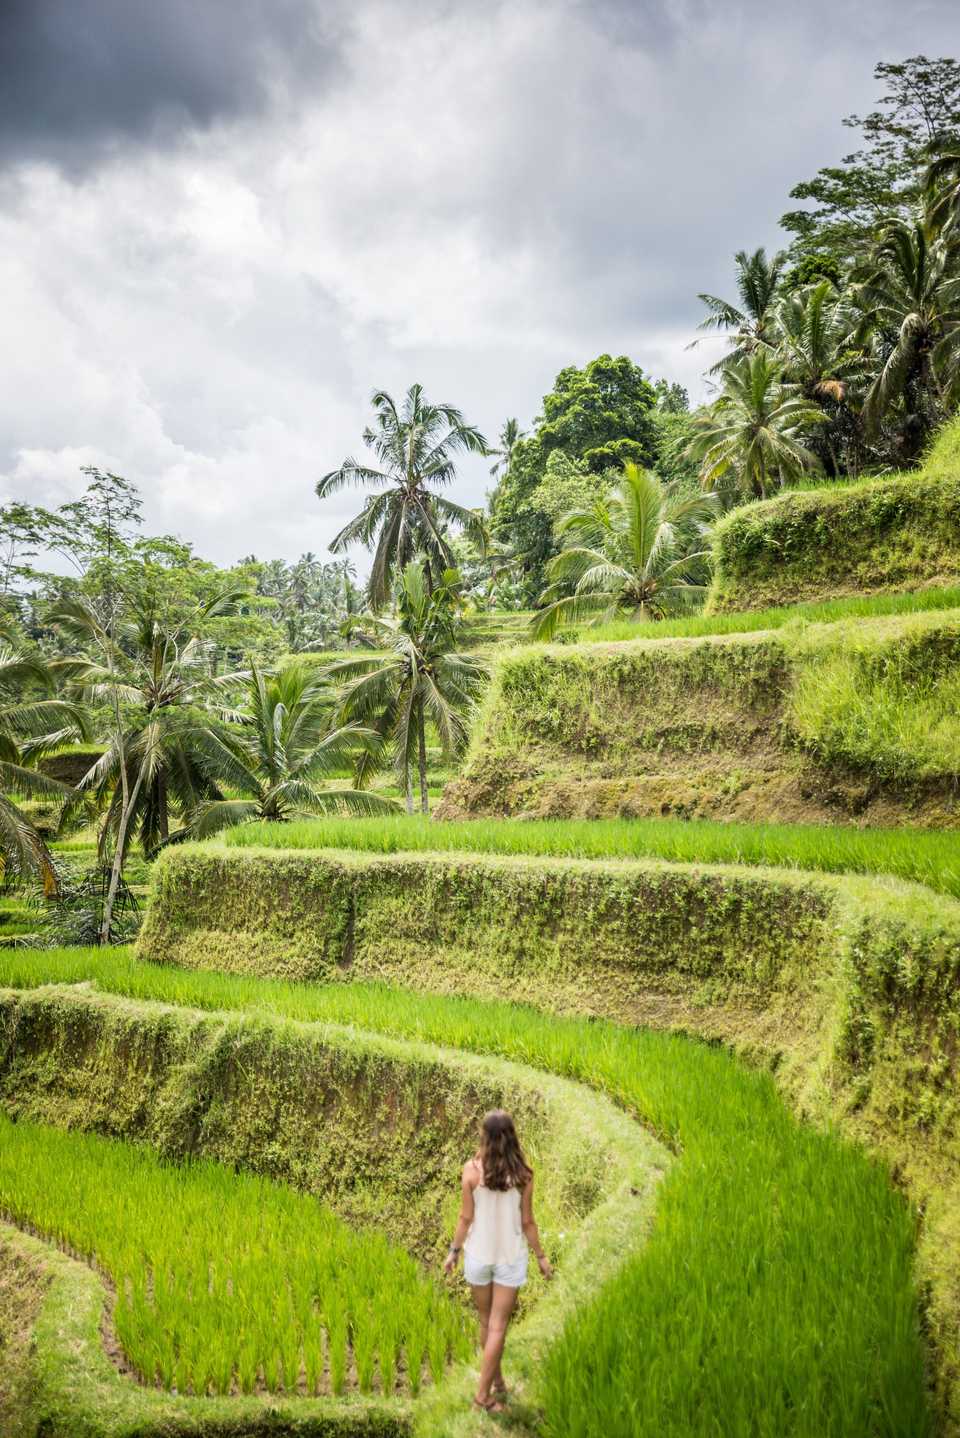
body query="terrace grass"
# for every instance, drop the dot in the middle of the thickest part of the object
(825, 611)
(776, 1294)
(187, 1247)
(930, 857)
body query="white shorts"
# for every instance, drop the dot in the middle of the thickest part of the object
(510, 1275)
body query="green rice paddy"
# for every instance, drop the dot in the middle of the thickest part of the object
(227, 1282)
(775, 1296)
(926, 856)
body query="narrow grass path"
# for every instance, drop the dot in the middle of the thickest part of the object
(776, 1294)
(925, 856)
(226, 1279)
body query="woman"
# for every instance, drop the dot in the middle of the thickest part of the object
(496, 1223)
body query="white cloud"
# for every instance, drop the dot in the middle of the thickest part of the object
(481, 197)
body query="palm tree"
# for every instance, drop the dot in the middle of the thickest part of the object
(752, 322)
(415, 446)
(420, 676)
(816, 348)
(30, 726)
(943, 193)
(510, 437)
(159, 673)
(909, 294)
(751, 435)
(640, 551)
(277, 753)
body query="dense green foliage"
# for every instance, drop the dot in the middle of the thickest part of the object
(596, 418)
(926, 856)
(32, 723)
(822, 1348)
(917, 117)
(188, 1249)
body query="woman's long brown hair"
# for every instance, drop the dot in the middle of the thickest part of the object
(501, 1156)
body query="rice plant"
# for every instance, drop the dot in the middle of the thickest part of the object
(926, 856)
(775, 1297)
(823, 611)
(226, 1282)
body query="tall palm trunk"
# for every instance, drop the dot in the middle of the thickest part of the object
(422, 758)
(119, 853)
(408, 773)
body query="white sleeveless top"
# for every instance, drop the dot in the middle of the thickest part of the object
(495, 1235)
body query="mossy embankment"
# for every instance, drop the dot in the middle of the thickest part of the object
(376, 1126)
(852, 722)
(890, 534)
(848, 987)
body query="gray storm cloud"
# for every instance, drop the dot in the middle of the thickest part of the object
(80, 75)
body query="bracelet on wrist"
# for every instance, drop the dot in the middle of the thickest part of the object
(454, 1249)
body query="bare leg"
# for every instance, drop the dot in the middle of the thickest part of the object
(483, 1297)
(502, 1305)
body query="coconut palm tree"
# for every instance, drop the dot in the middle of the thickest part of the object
(31, 725)
(155, 676)
(816, 327)
(642, 551)
(278, 753)
(510, 437)
(415, 447)
(421, 676)
(943, 193)
(909, 294)
(751, 323)
(750, 438)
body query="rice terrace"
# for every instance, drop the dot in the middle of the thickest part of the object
(503, 971)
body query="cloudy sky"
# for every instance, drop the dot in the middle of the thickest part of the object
(223, 222)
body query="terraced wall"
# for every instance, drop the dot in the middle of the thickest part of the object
(849, 988)
(846, 722)
(890, 534)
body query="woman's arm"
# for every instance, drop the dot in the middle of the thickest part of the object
(530, 1231)
(465, 1219)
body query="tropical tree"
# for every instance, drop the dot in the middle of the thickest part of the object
(420, 677)
(909, 294)
(510, 437)
(277, 753)
(31, 724)
(750, 439)
(816, 347)
(751, 324)
(943, 193)
(916, 118)
(640, 551)
(154, 676)
(415, 447)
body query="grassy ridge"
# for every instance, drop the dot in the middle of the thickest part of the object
(894, 532)
(924, 856)
(775, 1296)
(188, 1248)
(826, 611)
